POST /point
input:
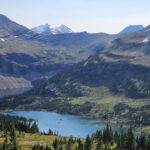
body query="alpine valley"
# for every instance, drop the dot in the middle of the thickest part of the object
(26, 56)
(101, 75)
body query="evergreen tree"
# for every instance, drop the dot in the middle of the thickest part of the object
(5, 143)
(148, 143)
(50, 132)
(116, 137)
(80, 145)
(34, 147)
(99, 145)
(88, 143)
(55, 144)
(34, 128)
(141, 143)
(13, 139)
(129, 141)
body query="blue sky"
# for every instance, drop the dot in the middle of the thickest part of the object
(81, 15)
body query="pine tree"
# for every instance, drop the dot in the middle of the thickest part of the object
(13, 139)
(5, 146)
(50, 132)
(99, 145)
(88, 143)
(68, 146)
(55, 144)
(141, 143)
(34, 147)
(80, 145)
(129, 141)
(34, 128)
(116, 137)
(148, 143)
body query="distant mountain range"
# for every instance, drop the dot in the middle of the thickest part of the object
(122, 67)
(48, 30)
(62, 29)
(27, 56)
(131, 29)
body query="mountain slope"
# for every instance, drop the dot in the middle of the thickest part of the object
(29, 55)
(83, 44)
(110, 71)
(123, 67)
(21, 60)
(8, 27)
(64, 49)
(131, 29)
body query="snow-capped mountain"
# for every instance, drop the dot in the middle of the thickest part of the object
(61, 30)
(132, 28)
(43, 29)
(48, 30)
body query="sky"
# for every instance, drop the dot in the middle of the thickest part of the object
(108, 16)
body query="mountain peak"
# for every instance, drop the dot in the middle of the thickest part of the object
(62, 29)
(46, 25)
(3, 18)
(131, 29)
(43, 29)
(47, 30)
(62, 25)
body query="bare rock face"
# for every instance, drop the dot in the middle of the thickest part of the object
(13, 82)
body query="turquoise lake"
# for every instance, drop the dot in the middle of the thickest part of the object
(65, 125)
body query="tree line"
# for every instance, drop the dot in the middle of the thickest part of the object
(10, 125)
(101, 140)
(21, 124)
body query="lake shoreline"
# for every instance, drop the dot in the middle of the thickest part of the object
(66, 125)
(136, 129)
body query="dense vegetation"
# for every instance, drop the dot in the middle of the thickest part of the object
(106, 140)
(9, 125)
(20, 124)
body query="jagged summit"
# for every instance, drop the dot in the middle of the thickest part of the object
(61, 30)
(43, 29)
(48, 30)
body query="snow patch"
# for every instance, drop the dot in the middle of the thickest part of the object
(146, 40)
(62, 29)
(3, 40)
